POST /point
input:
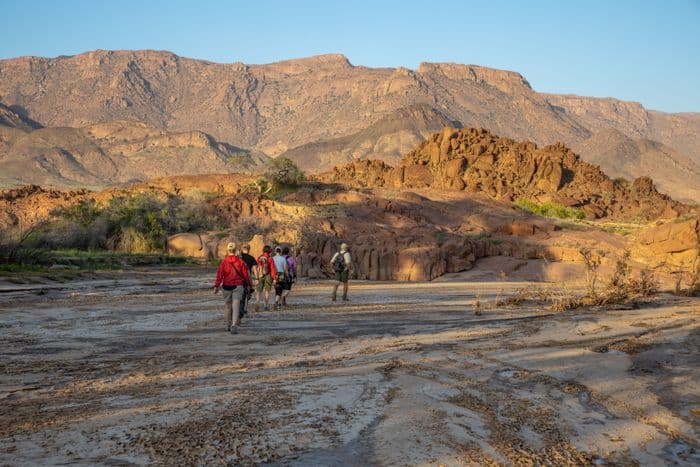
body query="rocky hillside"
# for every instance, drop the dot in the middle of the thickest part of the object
(478, 161)
(112, 153)
(680, 131)
(9, 118)
(388, 140)
(320, 110)
(621, 156)
(395, 234)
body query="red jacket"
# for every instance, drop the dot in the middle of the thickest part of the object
(270, 261)
(232, 271)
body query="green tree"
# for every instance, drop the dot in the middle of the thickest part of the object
(282, 172)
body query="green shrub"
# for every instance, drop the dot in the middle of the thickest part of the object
(550, 209)
(622, 181)
(282, 172)
(137, 223)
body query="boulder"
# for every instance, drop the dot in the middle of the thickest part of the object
(673, 245)
(187, 244)
(256, 245)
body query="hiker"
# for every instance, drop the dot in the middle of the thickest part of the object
(281, 277)
(233, 277)
(252, 267)
(342, 265)
(291, 274)
(266, 271)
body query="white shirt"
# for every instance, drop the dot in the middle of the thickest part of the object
(346, 257)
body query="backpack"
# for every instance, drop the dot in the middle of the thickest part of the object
(264, 264)
(291, 265)
(339, 263)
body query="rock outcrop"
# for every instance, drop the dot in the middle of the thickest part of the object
(672, 245)
(395, 233)
(477, 161)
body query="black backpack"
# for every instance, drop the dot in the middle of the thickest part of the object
(339, 263)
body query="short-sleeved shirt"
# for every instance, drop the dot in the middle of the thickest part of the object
(248, 260)
(280, 262)
(346, 257)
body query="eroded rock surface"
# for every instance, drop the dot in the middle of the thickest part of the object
(477, 161)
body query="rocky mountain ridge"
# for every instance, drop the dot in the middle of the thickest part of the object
(323, 110)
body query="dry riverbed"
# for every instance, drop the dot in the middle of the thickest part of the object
(135, 368)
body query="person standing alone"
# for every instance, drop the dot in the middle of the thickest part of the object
(233, 277)
(342, 266)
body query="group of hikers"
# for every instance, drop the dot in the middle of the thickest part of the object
(240, 276)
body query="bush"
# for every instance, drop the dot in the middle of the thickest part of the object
(550, 209)
(591, 262)
(282, 172)
(136, 223)
(622, 287)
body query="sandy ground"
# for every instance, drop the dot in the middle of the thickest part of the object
(136, 368)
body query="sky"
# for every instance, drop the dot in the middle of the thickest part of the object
(646, 51)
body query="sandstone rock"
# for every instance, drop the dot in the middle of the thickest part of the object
(187, 244)
(477, 161)
(519, 228)
(256, 245)
(672, 245)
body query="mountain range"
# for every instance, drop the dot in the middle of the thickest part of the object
(319, 111)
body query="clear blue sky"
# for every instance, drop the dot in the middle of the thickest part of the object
(644, 50)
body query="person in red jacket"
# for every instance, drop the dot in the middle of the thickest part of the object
(233, 277)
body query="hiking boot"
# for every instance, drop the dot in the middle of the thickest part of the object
(234, 330)
(267, 308)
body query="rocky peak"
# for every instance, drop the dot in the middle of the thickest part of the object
(506, 81)
(315, 62)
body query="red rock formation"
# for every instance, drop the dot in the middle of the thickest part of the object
(477, 161)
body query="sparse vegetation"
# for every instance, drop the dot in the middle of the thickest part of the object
(591, 261)
(622, 286)
(622, 181)
(550, 209)
(689, 277)
(135, 223)
(478, 235)
(580, 227)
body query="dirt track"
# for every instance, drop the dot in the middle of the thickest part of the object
(136, 368)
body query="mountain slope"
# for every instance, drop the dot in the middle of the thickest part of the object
(317, 101)
(10, 118)
(114, 153)
(271, 107)
(621, 156)
(387, 139)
